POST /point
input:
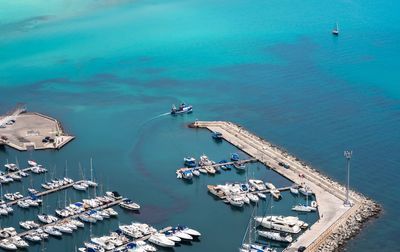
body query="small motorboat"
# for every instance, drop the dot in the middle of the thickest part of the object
(114, 195)
(239, 167)
(235, 157)
(161, 240)
(19, 242)
(190, 231)
(210, 169)
(183, 108)
(11, 167)
(235, 200)
(276, 236)
(252, 197)
(261, 195)
(189, 162)
(196, 172)
(170, 235)
(294, 189)
(257, 184)
(7, 244)
(32, 163)
(181, 235)
(306, 191)
(223, 165)
(130, 205)
(217, 136)
(52, 231)
(33, 237)
(82, 186)
(247, 247)
(47, 218)
(185, 173)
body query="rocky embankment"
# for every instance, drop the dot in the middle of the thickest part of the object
(353, 225)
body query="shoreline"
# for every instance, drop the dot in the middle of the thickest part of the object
(341, 227)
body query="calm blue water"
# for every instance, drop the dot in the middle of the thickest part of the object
(105, 69)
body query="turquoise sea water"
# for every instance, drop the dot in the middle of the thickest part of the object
(106, 68)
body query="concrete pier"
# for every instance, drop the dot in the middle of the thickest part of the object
(330, 195)
(23, 130)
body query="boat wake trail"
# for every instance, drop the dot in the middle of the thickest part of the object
(151, 119)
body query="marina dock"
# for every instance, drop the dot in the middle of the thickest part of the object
(43, 193)
(23, 130)
(227, 163)
(111, 204)
(329, 194)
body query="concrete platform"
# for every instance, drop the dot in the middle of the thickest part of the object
(30, 129)
(329, 194)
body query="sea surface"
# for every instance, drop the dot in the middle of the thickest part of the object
(110, 70)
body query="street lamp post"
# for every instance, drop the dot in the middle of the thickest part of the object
(347, 155)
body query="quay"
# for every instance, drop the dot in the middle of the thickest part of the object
(335, 217)
(24, 130)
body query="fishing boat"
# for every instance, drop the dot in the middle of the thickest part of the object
(161, 240)
(183, 108)
(130, 205)
(235, 157)
(335, 30)
(276, 236)
(217, 136)
(189, 162)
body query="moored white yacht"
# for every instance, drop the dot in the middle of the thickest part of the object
(257, 184)
(161, 240)
(276, 236)
(130, 205)
(280, 224)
